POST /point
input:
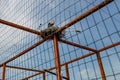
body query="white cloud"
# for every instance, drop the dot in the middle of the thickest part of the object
(85, 75)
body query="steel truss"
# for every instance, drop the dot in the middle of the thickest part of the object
(58, 65)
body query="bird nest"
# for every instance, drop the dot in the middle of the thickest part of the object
(52, 30)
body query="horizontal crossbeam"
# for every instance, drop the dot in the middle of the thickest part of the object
(81, 57)
(27, 69)
(19, 27)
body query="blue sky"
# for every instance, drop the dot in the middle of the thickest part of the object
(98, 30)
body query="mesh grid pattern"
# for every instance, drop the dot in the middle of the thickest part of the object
(98, 30)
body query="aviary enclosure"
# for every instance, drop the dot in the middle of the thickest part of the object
(60, 39)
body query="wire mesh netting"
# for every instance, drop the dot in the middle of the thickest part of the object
(100, 29)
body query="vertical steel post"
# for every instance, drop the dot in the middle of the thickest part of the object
(67, 71)
(57, 57)
(44, 78)
(4, 72)
(101, 66)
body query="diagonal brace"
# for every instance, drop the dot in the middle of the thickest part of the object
(19, 27)
(77, 45)
(54, 74)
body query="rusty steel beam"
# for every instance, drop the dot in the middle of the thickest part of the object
(25, 51)
(55, 74)
(32, 76)
(24, 79)
(77, 45)
(44, 77)
(4, 72)
(1, 65)
(101, 66)
(21, 68)
(81, 57)
(99, 6)
(19, 27)
(67, 71)
(110, 46)
(84, 15)
(62, 28)
(57, 57)
(76, 59)
(91, 53)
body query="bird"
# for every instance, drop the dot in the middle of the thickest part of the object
(51, 23)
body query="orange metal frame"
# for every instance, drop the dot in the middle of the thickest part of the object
(58, 65)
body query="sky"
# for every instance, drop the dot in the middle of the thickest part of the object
(97, 32)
